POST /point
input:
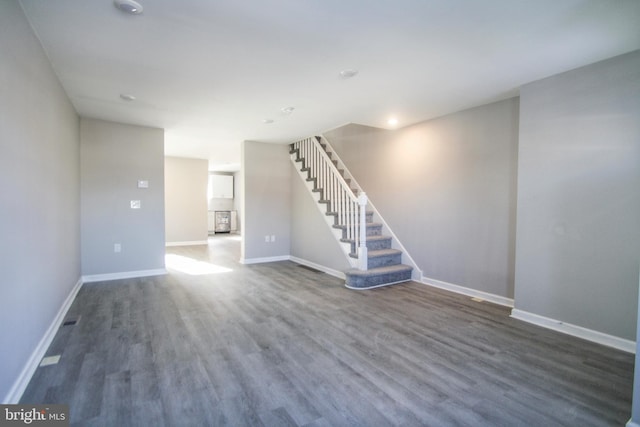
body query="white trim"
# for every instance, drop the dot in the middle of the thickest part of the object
(356, 288)
(20, 385)
(496, 299)
(265, 259)
(632, 423)
(123, 275)
(327, 270)
(576, 331)
(187, 243)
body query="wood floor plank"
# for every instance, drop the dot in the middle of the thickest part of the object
(116, 399)
(146, 413)
(87, 399)
(279, 345)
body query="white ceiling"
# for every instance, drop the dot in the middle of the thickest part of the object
(210, 71)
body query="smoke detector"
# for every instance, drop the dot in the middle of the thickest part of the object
(128, 6)
(347, 74)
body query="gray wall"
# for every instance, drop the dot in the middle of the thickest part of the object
(635, 412)
(185, 191)
(311, 237)
(447, 188)
(578, 234)
(39, 194)
(266, 194)
(113, 158)
(238, 188)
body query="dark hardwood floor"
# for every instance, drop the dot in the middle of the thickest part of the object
(281, 345)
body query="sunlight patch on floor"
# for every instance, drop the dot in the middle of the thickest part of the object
(192, 266)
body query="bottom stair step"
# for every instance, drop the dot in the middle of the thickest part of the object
(381, 257)
(374, 277)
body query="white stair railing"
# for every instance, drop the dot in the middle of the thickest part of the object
(349, 209)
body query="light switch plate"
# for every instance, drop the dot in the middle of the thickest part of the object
(143, 183)
(136, 204)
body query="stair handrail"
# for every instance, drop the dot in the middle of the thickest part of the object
(405, 253)
(350, 209)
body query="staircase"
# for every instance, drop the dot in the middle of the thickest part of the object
(374, 260)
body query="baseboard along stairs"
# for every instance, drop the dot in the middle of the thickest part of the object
(374, 260)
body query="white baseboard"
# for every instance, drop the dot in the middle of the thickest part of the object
(187, 243)
(327, 270)
(123, 275)
(496, 299)
(263, 260)
(576, 331)
(355, 288)
(20, 385)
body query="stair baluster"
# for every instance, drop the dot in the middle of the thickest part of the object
(348, 208)
(374, 262)
(363, 259)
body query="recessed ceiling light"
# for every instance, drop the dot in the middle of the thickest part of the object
(287, 110)
(128, 6)
(347, 74)
(392, 121)
(127, 97)
(267, 121)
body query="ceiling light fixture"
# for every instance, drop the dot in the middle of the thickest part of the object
(347, 74)
(127, 97)
(128, 6)
(287, 110)
(392, 121)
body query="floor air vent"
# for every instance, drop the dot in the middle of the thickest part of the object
(306, 267)
(71, 322)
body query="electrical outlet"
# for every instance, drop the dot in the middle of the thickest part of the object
(143, 183)
(273, 238)
(117, 247)
(136, 204)
(266, 239)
